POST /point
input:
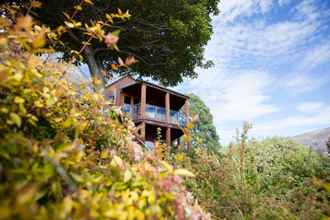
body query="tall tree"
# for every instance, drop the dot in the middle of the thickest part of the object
(204, 133)
(167, 36)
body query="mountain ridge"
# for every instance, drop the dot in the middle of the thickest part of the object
(315, 139)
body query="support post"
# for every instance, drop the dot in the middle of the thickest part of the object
(117, 97)
(143, 131)
(168, 136)
(167, 107)
(143, 100)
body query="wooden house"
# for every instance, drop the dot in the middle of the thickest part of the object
(152, 107)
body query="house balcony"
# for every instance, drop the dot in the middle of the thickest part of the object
(155, 113)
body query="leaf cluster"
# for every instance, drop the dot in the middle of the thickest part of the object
(66, 152)
(270, 179)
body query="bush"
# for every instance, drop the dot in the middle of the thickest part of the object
(271, 179)
(66, 152)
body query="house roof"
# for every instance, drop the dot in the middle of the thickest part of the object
(138, 81)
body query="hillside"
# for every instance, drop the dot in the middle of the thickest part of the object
(315, 139)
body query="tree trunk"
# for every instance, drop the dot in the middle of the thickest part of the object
(94, 68)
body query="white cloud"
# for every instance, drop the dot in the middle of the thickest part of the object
(283, 2)
(289, 126)
(234, 9)
(318, 55)
(301, 82)
(245, 49)
(244, 97)
(233, 98)
(265, 5)
(310, 107)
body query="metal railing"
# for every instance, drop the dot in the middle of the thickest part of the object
(155, 113)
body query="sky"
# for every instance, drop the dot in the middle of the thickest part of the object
(272, 67)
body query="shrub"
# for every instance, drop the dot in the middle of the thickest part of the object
(66, 152)
(270, 179)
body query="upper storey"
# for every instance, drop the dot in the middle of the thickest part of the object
(147, 101)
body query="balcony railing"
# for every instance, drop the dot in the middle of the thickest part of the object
(156, 113)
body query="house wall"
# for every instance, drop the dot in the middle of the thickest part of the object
(114, 89)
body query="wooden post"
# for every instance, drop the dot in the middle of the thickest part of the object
(143, 100)
(143, 131)
(167, 108)
(168, 136)
(117, 97)
(122, 99)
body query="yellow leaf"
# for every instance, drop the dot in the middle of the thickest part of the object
(118, 161)
(104, 154)
(26, 194)
(69, 24)
(183, 172)
(127, 175)
(190, 125)
(68, 122)
(67, 204)
(78, 7)
(4, 110)
(16, 119)
(39, 41)
(89, 2)
(167, 166)
(326, 186)
(19, 100)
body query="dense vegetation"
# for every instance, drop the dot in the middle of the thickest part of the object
(271, 179)
(65, 151)
(167, 37)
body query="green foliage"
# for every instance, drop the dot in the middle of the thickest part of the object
(66, 152)
(167, 37)
(204, 133)
(271, 179)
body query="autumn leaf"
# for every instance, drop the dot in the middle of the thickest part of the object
(36, 4)
(110, 39)
(24, 23)
(130, 61)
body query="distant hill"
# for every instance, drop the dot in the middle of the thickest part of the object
(315, 139)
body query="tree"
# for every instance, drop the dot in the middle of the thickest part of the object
(167, 37)
(328, 145)
(204, 133)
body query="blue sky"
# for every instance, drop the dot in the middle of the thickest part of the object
(272, 67)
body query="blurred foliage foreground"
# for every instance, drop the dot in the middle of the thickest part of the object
(65, 153)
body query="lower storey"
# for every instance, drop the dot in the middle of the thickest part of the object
(149, 133)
